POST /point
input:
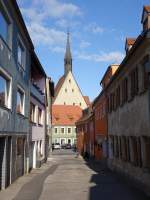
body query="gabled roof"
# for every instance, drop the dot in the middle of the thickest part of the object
(87, 100)
(145, 9)
(59, 85)
(65, 115)
(130, 41)
(85, 116)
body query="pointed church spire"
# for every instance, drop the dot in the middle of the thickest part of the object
(68, 57)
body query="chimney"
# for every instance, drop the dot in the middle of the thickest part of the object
(146, 18)
(129, 43)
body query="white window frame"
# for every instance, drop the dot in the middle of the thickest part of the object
(21, 66)
(9, 96)
(57, 130)
(34, 114)
(41, 119)
(64, 130)
(23, 91)
(70, 131)
(10, 21)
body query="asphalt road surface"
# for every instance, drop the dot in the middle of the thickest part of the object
(69, 177)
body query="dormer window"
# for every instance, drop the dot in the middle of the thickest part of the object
(146, 18)
(129, 43)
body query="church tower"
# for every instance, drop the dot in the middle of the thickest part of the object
(67, 91)
(68, 57)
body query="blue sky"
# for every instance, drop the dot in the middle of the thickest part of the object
(98, 30)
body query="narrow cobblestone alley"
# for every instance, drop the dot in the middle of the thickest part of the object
(67, 177)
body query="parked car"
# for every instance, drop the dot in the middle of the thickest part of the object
(57, 146)
(68, 146)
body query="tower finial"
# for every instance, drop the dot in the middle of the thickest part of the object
(68, 57)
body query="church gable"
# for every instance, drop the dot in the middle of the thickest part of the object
(70, 93)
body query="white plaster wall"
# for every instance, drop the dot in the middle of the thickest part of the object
(70, 97)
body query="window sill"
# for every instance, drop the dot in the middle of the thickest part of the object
(5, 108)
(40, 125)
(33, 123)
(5, 43)
(21, 115)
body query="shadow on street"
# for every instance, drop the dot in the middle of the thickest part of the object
(111, 186)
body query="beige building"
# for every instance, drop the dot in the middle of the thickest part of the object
(129, 109)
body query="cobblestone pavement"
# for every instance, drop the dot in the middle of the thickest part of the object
(69, 177)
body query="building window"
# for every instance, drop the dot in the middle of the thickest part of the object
(125, 90)
(69, 80)
(80, 103)
(73, 104)
(21, 57)
(145, 74)
(69, 130)
(62, 130)
(56, 131)
(134, 82)
(40, 116)
(66, 90)
(72, 90)
(4, 24)
(20, 101)
(5, 91)
(118, 97)
(64, 103)
(32, 112)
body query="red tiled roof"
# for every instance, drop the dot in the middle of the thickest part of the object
(147, 8)
(87, 100)
(130, 41)
(59, 84)
(65, 114)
